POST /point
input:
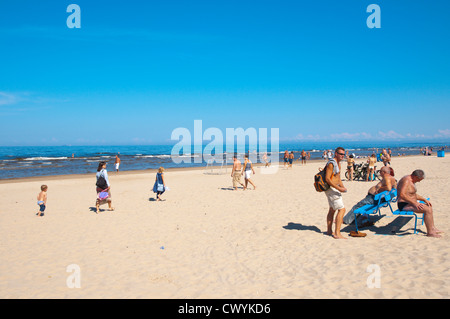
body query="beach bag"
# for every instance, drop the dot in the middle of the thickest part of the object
(319, 181)
(157, 187)
(101, 182)
(103, 195)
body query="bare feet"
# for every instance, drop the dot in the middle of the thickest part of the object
(435, 235)
(338, 236)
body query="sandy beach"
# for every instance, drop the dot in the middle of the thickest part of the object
(208, 241)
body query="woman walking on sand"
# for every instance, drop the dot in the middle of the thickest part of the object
(160, 186)
(248, 169)
(103, 188)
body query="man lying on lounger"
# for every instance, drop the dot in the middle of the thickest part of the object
(387, 183)
(408, 200)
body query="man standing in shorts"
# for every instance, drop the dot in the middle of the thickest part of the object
(236, 172)
(117, 162)
(334, 195)
(286, 157)
(303, 157)
(386, 158)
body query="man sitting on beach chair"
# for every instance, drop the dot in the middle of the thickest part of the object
(386, 184)
(408, 200)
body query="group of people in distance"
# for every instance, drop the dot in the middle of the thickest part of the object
(289, 158)
(407, 197)
(385, 157)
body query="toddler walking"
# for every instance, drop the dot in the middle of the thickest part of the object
(42, 200)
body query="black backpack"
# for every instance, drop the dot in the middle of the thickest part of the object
(101, 182)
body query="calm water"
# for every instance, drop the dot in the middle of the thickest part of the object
(27, 161)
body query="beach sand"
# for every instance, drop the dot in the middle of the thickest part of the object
(207, 241)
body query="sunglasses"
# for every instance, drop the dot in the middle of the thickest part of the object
(342, 154)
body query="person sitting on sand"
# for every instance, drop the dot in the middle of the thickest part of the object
(408, 200)
(236, 172)
(387, 183)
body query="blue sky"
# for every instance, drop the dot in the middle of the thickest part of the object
(137, 70)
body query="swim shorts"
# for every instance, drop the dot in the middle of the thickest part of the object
(334, 198)
(41, 206)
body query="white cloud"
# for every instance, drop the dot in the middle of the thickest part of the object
(444, 133)
(390, 135)
(27, 101)
(309, 137)
(364, 136)
(8, 98)
(351, 136)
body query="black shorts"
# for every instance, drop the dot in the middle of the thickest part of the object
(401, 205)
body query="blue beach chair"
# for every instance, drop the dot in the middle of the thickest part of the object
(382, 199)
(410, 213)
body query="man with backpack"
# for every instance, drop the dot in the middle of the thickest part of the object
(334, 193)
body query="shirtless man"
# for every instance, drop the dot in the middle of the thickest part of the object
(386, 158)
(286, 157)
(291, 159)
(236, 172)
(117, 162)
(408, 200)
(334, 196)
(303, 157)
(387, 183)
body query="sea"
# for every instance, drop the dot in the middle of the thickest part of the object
(31, 161)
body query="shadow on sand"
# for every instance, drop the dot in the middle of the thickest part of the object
(392, 228)
(296, 226)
